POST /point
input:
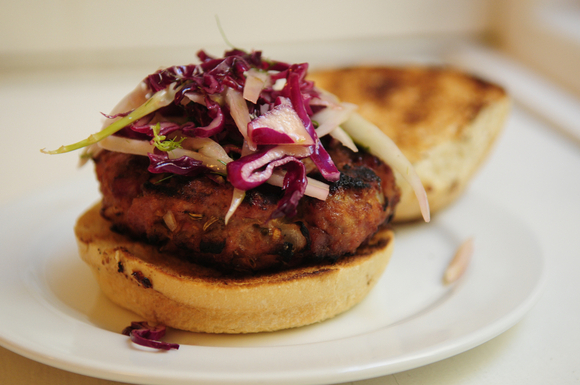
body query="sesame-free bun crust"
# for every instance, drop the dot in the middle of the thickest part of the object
(443, 120)
(167, 290)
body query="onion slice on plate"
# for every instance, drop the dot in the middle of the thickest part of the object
(459, 263)
(143, 334)
(367, 134)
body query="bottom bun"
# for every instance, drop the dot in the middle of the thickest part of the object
(166, 290)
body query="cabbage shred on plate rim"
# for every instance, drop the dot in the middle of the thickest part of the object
(242, 117)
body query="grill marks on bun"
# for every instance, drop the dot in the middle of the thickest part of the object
(443, 120)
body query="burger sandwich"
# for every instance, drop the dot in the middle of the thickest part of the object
(239, 197)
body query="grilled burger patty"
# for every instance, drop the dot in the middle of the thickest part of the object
(185, 216)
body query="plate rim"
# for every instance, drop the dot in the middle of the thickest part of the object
(372, 369)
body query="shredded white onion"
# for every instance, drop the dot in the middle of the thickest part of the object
(240, 113)
(141, 147)
(339, 134)
(126, 145)
(279, 84)
(324, 98)
(367, 134)
(195, 97)
(256, 81)
(207, 147)
(332, 116)
(237, 199)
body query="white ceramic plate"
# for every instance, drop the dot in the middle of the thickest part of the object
(52, 311)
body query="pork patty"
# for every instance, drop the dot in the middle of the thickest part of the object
(185, 216)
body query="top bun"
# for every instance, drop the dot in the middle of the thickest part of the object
(443, 120)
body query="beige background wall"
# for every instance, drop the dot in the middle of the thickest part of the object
(118, 30)
(543, 34)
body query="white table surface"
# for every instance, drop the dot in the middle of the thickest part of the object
(534, 170)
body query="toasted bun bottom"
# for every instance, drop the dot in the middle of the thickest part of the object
(166, 290)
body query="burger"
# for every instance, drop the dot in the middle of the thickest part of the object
(238, 197)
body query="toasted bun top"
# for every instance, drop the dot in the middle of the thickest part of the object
(443, 120)
(417, 107)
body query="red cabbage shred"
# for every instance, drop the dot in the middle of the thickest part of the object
(143, 334)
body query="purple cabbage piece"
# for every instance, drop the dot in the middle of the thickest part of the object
(216, 113)
(143, 334)
(319, 156)
(161, 79)
(215, 126)
(294, 186)
(237, 175)
(160, 163)
(212, 74)
(267, 135)
(252, 170)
